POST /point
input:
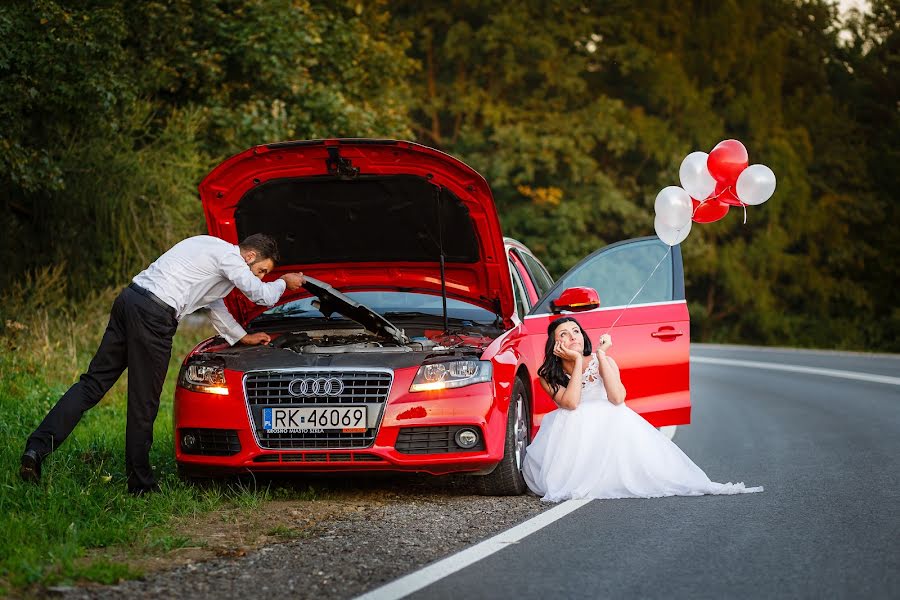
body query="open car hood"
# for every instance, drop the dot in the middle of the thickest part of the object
(364, 214)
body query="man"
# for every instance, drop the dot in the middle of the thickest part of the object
(196, 272)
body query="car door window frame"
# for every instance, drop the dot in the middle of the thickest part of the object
(520, 294)
(531, 289)
(542, 306)
(536, 278)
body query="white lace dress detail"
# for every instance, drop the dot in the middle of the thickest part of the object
(604, 450)
(592, 373)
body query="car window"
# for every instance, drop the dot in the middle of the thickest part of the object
(539, 274)
(522, 303)
(617, 273)
(531, 291)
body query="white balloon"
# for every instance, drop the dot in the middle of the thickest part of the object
(695, 177)
(673, 206)
(671, 235)
(755, 184)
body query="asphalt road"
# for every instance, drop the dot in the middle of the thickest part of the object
(826, 449)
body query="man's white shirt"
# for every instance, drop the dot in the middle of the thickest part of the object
(199, 272)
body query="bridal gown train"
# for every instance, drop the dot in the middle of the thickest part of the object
(603, 450)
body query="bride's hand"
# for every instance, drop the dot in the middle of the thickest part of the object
(604, 343)
(565, 353)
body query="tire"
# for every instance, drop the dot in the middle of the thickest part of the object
(506, 479)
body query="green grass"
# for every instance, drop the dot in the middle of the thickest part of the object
(283, 532)
(82, 502)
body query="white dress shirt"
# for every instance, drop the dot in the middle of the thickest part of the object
(199, 272)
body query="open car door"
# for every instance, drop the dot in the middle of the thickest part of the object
(651, 338)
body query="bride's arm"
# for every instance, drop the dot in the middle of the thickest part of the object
(609, 372)
(568, 397)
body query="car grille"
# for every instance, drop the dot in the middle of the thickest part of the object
(433, 440)
(272, 388)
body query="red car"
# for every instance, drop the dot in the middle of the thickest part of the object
(421, 351)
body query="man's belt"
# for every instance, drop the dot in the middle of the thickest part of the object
(154, 297)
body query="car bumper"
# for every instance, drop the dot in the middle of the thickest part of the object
(232, 446)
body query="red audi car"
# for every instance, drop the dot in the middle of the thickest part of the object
(416, 342)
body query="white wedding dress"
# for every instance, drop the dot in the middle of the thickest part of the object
(603, 450)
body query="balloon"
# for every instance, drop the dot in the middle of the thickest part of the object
(755, 184)
(726, 161)
(673, 206)
(695, 177)
(709, 211)
(725, 193)
(671, 235)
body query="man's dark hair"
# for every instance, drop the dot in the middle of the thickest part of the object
(264, 246)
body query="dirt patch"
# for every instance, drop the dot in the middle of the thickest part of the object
(231, 532)
(356, 536)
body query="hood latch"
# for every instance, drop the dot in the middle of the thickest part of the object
(340, 166)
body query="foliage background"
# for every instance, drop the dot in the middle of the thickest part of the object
(577, 114)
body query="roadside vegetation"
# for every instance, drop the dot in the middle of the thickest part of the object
(81, 502)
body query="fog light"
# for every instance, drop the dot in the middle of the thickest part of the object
(466, 438)
(189, 442)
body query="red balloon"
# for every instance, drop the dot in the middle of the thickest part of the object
(710, 211)
(727, 160)
(725, 193)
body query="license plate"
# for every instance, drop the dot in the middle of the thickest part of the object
(314, 418)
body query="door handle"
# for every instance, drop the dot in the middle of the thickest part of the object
(666, 333)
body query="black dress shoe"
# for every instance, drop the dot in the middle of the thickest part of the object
(31, 467)
(144, 491)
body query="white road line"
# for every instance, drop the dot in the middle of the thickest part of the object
(770, 349)
(752, 364)
(426, 576)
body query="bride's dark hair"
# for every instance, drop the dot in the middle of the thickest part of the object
(552, 370)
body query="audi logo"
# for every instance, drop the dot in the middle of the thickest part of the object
(316, 386)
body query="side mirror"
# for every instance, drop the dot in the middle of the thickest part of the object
(576, 299)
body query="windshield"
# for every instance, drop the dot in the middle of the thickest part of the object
(394, 306)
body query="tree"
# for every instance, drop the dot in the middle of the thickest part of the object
(578, 114)
(113, 111)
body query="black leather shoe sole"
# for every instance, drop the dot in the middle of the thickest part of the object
(144, 491)
(30, 470)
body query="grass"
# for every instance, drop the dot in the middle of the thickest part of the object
(81, 502)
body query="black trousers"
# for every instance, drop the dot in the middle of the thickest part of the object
(139, 337)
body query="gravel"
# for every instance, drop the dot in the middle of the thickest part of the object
(384, 533)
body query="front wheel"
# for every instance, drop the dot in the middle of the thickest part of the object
(506, 479)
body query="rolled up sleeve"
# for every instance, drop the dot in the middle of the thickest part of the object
(224, 323)
(265, 293)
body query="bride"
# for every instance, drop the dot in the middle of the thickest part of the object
(595, 446)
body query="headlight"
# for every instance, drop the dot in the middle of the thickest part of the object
(204, 378)
(451, 374)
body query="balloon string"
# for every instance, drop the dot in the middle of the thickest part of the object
(716, 197)
(640, 290)
(696, 208)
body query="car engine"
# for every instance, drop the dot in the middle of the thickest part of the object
(332, 342)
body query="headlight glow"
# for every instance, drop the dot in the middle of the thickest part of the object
(204, 378)
(451, 374)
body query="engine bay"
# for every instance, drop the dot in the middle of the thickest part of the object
(336, 341)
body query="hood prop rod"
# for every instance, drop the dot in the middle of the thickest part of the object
(440, 208)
